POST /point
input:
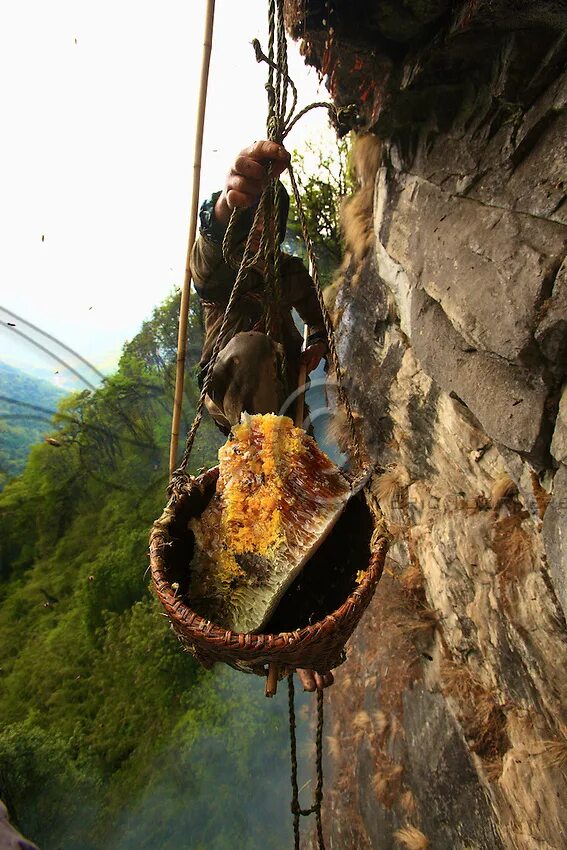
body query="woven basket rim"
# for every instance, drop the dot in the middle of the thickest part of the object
(194, 624)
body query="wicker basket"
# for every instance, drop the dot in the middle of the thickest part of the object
(319, 646)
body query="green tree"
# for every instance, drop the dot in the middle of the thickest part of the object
(110, 736)
(323, 179)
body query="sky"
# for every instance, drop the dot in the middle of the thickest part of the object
(98, 108)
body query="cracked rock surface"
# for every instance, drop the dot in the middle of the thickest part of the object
(450, 716)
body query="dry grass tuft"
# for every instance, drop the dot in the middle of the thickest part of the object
(524, 728)
(419, 619)
(481, 716)
(356, 219)
(381, 722)
(357, 225)
(389, 486)
(411, 838)
(386, 782)
(457, 680)
(554, 752)
(396, 531)
(337, 428)
(412, 578)
(365, 158)
(358, 736)
(475, 504)
(407, 802)
(334, 746)
(361, 720)
(380, 785)
(356, 211)
(512, 546)
(492, 769)
(502, 488)
(331, 292)
(429, 618)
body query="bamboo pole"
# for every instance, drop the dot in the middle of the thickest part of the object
(271, 686)
(185, 292)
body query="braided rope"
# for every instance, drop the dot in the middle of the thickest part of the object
(282, 65)
(179, 473)
(272, 95)
(293, 753)
(278, 126)
(318, 105)
(261, 57)
(315, 808)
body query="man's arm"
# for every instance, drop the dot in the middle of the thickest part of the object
(212, 277)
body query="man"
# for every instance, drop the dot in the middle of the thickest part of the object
(246, 375)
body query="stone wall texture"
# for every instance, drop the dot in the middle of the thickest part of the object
(447, 728)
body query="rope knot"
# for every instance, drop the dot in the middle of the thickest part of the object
(179, 482)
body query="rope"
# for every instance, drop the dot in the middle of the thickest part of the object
(315, 808)
(279, 125)
(179, 476)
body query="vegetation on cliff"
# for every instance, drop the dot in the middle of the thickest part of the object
(111, 737)
(26, 406)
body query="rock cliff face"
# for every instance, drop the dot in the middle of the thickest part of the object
(448, 729)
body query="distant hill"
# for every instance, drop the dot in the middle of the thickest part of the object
(26, 407)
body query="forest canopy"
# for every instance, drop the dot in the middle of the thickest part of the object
(111, 736)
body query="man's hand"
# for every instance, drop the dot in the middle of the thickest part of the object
(313, 355)
(248, 177)
(313, 681)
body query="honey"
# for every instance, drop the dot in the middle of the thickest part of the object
(277, 494)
